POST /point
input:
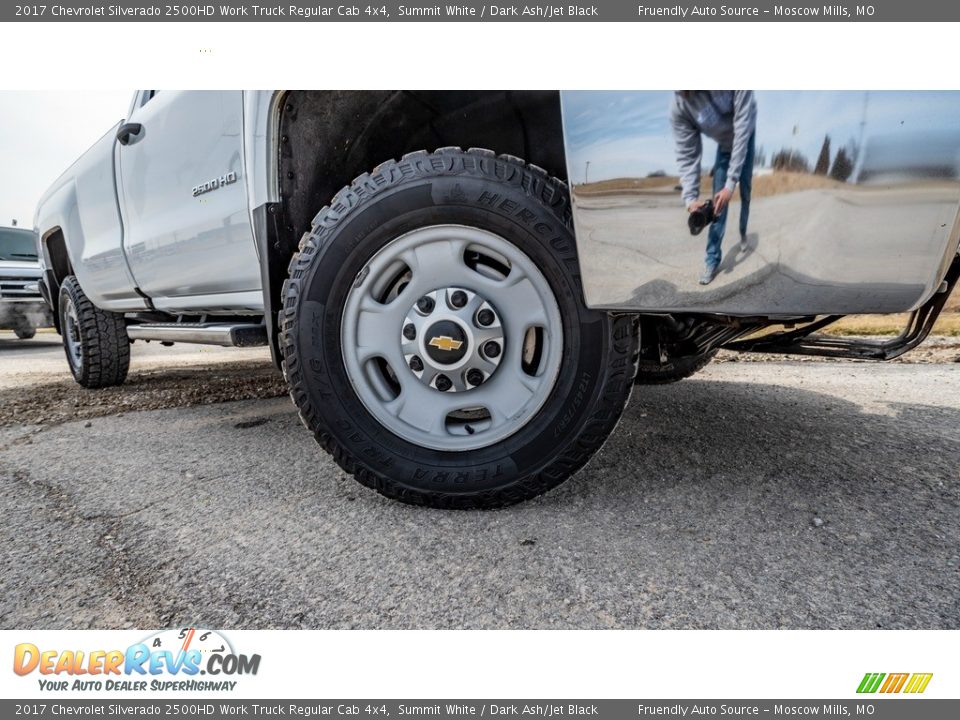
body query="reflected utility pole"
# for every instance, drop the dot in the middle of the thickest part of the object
(863, 121)
(586, 174)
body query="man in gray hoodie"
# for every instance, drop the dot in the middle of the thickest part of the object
(730, 118)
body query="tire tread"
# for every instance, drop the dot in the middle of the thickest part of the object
(104, 340)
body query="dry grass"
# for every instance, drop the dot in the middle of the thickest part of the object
(666, 182)
(776, 183)
(948, 324)
(953, 302)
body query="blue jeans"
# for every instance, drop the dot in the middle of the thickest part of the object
(719, 226)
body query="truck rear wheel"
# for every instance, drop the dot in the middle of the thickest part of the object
(651, 371)
(95, 340)
(655, 369)
(24, 332)
(434, 336)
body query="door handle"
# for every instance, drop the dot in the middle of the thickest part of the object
(127, 131)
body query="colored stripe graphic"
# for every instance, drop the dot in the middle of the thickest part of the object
(894, 682)
(918, 682)
(870, 682)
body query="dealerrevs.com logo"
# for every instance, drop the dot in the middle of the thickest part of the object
(170, 660)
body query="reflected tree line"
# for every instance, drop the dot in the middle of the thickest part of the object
(838, 167)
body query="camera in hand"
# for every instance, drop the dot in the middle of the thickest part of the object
(701, 217)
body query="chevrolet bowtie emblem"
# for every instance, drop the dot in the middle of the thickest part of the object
(442, 342)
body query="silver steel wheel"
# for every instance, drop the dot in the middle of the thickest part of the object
(71, 334)
(452, 337)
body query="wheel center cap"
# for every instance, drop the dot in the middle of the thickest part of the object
(446, 342)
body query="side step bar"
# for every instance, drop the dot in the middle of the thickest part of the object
(804, 341)
(224, 334)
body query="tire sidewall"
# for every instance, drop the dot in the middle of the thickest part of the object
(69, 295)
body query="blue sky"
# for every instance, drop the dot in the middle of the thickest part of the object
(627, 133)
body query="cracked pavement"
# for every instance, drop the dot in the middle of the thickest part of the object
(756, 495)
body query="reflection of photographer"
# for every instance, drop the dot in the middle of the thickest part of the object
(728, 117)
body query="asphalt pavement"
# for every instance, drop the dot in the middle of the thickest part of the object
(756, 495)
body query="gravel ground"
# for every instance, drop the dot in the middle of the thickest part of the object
(165, 387)
(757, 495)
(36, 387)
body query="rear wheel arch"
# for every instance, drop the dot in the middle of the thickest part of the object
(61, 266)
(325, 139)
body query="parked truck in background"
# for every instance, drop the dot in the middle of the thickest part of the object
(22, 309)
(462, 287)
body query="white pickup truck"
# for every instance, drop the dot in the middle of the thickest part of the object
(463, 327)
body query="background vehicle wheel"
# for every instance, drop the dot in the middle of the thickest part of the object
(25, 332)
(434, 336)
(95, 340)
(653, 370)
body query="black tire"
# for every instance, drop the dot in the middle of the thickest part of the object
(25, 332)
(599, 350)
(104, 348)
(654, 370)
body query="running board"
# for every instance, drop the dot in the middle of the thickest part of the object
(804, 341)
(224, 334)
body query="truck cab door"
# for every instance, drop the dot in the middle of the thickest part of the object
(187, 233)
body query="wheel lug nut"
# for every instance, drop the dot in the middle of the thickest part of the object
(485, 317)
(425, 304)
(491, 349)
(409, 331)
(458, 298)
(443, 383)
(416, 364)
(474, 377)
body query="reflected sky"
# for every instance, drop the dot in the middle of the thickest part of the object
(627, 134)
